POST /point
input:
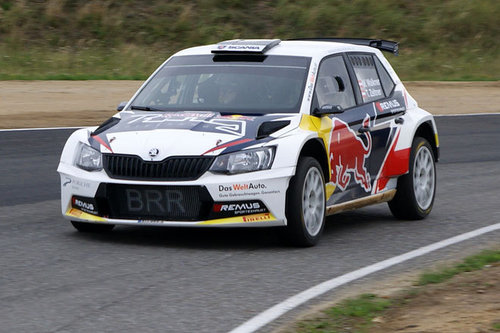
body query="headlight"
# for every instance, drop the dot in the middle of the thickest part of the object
(88, 158)
(244, 161)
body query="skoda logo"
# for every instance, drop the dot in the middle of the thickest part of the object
(153, 152)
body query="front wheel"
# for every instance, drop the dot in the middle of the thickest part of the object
(306, 203)
(92, 227)
(416, 190)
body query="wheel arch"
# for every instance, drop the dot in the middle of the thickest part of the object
(316, 149)
(426, 131)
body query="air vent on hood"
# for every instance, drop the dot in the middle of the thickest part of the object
(269, 127)
(106, 125)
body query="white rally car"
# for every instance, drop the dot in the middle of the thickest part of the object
(256, 133)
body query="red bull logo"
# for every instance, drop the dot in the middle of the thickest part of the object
(348, 154)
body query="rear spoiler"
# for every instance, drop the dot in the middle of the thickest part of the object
(381, 44)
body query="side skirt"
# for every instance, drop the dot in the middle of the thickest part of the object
(358, 203)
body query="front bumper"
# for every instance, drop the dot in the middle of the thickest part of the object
(249, 199)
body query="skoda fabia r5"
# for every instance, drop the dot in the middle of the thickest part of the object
(256, 133)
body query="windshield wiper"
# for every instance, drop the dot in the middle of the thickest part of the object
(144, 108)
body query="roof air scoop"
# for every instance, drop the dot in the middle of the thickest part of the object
(252, 46)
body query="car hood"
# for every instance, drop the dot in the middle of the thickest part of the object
(165, 134)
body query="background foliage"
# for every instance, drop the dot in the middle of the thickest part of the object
(128, 39)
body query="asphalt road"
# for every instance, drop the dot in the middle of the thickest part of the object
(54, 279)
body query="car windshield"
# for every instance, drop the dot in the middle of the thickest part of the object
(254, 84)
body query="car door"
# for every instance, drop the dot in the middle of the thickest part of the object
(377, 96)
(347, 136)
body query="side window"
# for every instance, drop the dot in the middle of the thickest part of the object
(387, 82)
(334, 86)
(369, 82)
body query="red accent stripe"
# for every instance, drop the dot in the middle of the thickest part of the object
(229, 144)
(101, 141)
(396, 163)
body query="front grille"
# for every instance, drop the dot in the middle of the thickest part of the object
(172, 168)
(167, 203)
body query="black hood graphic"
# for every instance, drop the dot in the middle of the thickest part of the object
(245, 129)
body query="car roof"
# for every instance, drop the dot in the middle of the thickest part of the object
(293, 48)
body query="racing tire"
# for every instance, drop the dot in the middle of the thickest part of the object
(416, 190)
(92, 227)
(305, 203)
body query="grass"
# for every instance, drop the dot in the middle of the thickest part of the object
(137, 63)
(79, 64)
(357, 314)
(470, 264)
(67, 39)
(351, 314)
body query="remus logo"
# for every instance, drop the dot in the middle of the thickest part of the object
(236, 207)
(81, 204)
(392, 105)
(86, 205)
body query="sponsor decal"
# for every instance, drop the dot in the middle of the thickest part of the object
(243, 47)
(362, 88)
(245, 189)
(75, 184)
(311, 80)
(392, 106)
(235, 126)
(242, 187)
(67, 181)
(152, 221)
(235, 208)
(370, 88)
(257, 218)
(87, 205)
(348, 154)
(264, 217)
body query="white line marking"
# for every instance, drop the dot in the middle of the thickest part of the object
(468, 114)
(278, 310)
(38, 129)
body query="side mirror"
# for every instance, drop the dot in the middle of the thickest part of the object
(121, 105)
(327, 109)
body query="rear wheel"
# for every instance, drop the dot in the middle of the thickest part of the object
(416, 190)
(92, 227)
(306, 203)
